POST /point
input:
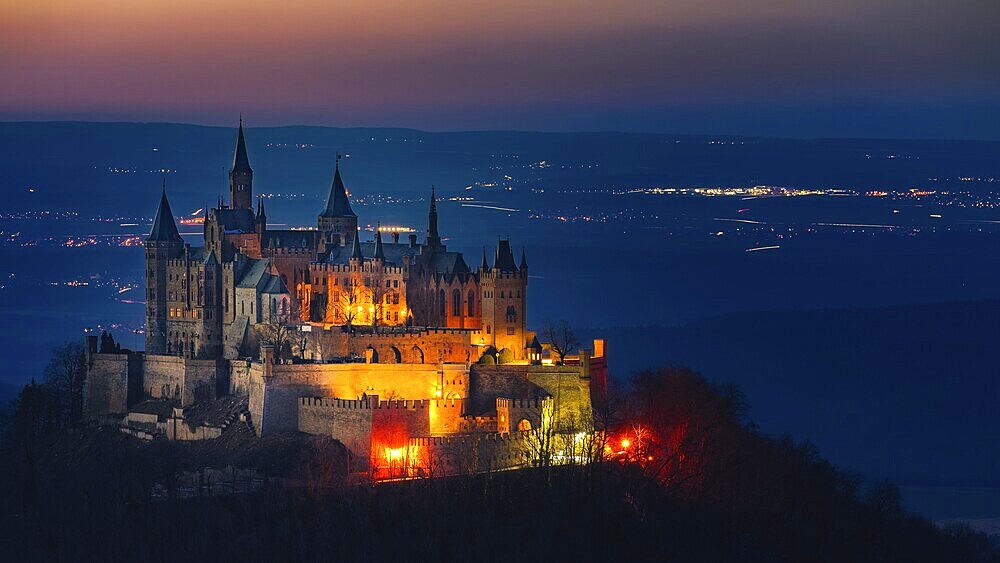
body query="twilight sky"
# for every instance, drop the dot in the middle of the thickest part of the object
(908, 68)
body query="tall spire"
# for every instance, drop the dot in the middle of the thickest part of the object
(164, 228)
(241, 162)
(241, 176)
(356, 249)
(433, 238)
(379, 251)
(524, 261)
(485, 266)
(337, 204)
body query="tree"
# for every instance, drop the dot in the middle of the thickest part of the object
(346, 302)
(378, 291)
(65, 375)
(280, 328)
(561, 339)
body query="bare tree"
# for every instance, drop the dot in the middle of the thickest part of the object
(378, 291)
(280, 328)
(347, 302)
(65, 375)
(560, 338)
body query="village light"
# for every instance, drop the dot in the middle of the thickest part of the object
(626, 443)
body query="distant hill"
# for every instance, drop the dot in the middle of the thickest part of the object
(91, 166)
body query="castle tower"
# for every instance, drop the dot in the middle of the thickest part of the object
(433, 238)
(241, 176)
(209, 307)
(338, 221)
(163, 244)
(504, 290)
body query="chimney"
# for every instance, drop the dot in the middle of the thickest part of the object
(395, 237)
(413, 240)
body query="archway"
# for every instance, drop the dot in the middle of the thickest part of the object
(396, 356)
(418, 354)
(373, 359)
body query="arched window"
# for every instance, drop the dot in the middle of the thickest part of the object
(487, 329)
(524, 425)
(442, 303)
(456, 303)
(471, 306)
(511, 314)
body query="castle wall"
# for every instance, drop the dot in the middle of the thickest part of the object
(185, 380)
(417, 347)
(566, 384)
(239, 377)
(109, 377)
(465, 454)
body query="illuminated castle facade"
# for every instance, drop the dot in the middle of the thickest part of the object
(414, 361)
(204, 302)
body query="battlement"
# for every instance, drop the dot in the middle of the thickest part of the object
(369, 403)
(504, 403)
(465, 439)
(365, 267)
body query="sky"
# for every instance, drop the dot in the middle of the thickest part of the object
(805, 68)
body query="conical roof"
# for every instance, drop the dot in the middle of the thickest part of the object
(241, 162)
(379, 251)
(337, 204)
(356, 249)
(164, 228)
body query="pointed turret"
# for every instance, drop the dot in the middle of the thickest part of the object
(356, 249)
(379, 251)
(485, 266)
(261, 216)
(433, 238)
(524, 261)
(241, 162)
(337, 204)
(241, 176)
(164, 227)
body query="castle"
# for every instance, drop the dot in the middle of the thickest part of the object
(399, 350)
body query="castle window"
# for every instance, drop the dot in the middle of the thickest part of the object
(487, 329)
(456, 303)
(442, 303)
(501, 295)
(510, 331)
(395, 283)
(511, 314)
(395, 299)
(471, 306)
(524, 425)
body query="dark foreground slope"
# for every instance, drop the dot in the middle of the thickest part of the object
(706, 487)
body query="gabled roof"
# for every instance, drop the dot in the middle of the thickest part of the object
(210, 259)
(394, 252)
(236, 220)
(337, 204)
(164, 227)
(241, 163)
(289, 239)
